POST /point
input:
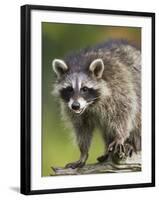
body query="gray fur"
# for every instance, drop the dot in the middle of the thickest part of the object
(117, 110)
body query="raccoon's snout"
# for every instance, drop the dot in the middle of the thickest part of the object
(75, 105)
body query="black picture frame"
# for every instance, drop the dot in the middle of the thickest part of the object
(26, 98)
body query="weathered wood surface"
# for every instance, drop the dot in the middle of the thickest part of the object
(129, 165)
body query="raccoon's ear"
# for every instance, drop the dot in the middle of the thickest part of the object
(59, 67)
(97, 68)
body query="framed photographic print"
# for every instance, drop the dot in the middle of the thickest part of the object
(87, 99)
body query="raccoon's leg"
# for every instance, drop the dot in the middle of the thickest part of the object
(107, 138)
(129, 149)
(133, 143)
(83, 138)
(117, 146)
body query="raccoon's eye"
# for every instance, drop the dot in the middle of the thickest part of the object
(84, 89)
(69, 89)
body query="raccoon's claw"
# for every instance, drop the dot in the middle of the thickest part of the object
(117, 147)
(103, 158)
(129, 149)
(77, 164)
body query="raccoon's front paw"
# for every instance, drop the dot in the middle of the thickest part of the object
(103, 158)
(117, 147)
(129, 149)
(77, 164)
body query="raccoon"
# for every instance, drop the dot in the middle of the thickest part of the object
(100, 87)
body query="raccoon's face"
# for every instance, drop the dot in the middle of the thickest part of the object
(78, 90)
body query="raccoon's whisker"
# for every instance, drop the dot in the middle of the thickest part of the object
(93, 99)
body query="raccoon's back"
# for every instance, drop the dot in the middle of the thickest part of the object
(110, 52)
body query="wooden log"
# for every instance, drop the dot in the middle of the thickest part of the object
(132, 164)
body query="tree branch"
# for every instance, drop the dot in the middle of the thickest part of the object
(129, 165)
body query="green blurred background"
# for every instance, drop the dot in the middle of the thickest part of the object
(57, 40)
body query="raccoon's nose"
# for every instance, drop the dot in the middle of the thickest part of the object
(75, 106)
